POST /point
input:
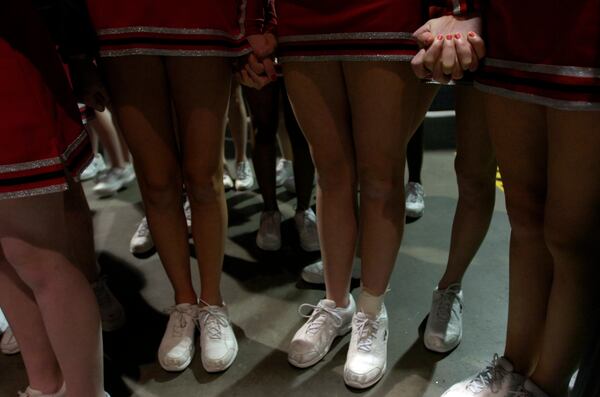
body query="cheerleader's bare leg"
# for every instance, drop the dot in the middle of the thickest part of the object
(67, 305)
(572, 235)
(141, 102)
(200, 90)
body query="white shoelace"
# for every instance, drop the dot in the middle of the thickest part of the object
(444, 308)
(213, 320)
(366, 329)
(243, 170)
(319, 316)
(181, 322)
(490, 377)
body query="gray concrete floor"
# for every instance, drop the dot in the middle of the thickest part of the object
(263, 292)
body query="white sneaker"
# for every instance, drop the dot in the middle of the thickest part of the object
(244, 179)
(269, 231)
(111, 311)
(177, 346)
(290, 185)
(227, 179)
(141, 241)
(367, 353)
(8, 343)
(97, 165)
(217, 341)
(444, 324)
(530, 389)
(415, 200)
(314, 273)
(496, 380)
(36, 393)
(313, 340)
(283, 171)
(3, 322)
(306, 225)
(188, 215)
(113, 180)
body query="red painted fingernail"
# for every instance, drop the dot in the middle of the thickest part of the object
(458, 35)
(448, 37)
(440, 37)
(471, 34)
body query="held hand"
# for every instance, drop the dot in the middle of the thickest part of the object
(257, 74)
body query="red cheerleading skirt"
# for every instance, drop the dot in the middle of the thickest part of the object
(170, 28)
(555, 63)
(41, 136)
(338, 30)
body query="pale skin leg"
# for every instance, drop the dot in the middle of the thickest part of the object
(68, 308)
(106, 130)
(142, 104)
(475, 166)
(238, 122)
(200, 90)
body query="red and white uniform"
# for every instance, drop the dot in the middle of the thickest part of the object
(175, 28)
(41, 136)
(338, 30)
(539, 51)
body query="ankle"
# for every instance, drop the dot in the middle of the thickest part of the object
(446, 282)
(211, 300)
(369, 302)
(187, 297)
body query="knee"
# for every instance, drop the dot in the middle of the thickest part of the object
(378, 184)
(566, 236)
(526, 215)
(162, 189)
(203, 185)
(476, 187)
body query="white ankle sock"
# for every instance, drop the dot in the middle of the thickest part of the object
(370, 304)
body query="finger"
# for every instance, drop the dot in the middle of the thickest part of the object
(474, 61)
(417, 65)
(246, 80)
(255, 64)
(457, 71)
(463, 51)
(433, 53)
(448, 55)
(439, 75)
(269, 66)
(259, 80)
(477, 44)
(424, 36)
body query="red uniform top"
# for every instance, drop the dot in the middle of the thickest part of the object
(181, 27)
(539, 51)
(41, 136)
(318, 30)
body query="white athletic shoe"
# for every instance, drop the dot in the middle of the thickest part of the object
(97, 165)
(177, 346)
(188, 215)
(244, 179)
(314, 273)
(227, 179)
(283, 171)
(444, 325)
(111, 181)
(496, 380)
(415, 200)
(313, 340)
(3, 322)
(269, 231)
(111, 311)
(141, 241)
(8, 343)
(530, 389)
(36, 393)
(367, 353)
(290, 185)
(306, 225)
(218, 344)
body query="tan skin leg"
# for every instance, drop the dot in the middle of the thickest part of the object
(107, 132)
(475, 166)
(318, 95)
(521, 146)
(200, 90)
(572, 234)
(142, 104)
(387, 103)
(238, 122)
(39, 256)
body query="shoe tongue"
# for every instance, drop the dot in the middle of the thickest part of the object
(507, 365)
(183, 306)
(328, 303)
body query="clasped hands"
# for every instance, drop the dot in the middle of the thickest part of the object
(258, 68)
(449, 46)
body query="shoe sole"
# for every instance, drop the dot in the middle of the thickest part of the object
(310, 248)
(321, 356)
(182, 367)
(442, 351)
(367, 385)
(414, 214)
(11, 352)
